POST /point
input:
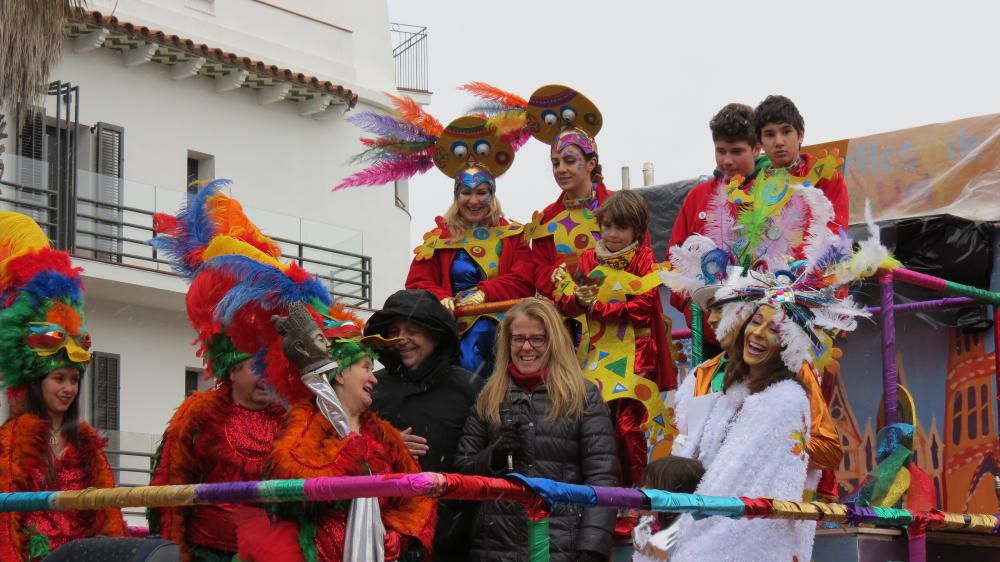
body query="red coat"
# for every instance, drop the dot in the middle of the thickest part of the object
(513, 282)
(543, 250)
(652, 351)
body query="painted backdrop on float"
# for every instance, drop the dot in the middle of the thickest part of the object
(942, 168)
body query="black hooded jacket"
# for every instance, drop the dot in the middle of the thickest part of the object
(434, 399)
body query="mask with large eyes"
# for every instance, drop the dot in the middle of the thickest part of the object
(48, 339)
(561, 116)
(61, 330)
(468, 150)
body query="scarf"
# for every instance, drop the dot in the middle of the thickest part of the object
(528, 382)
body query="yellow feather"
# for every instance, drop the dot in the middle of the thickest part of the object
(19, 234)
(229, 246)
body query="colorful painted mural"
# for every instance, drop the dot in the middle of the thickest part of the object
(950, 375)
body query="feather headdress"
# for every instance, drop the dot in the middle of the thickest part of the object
(808, 293)
(237, 283)
(411, 141)
(41, 307)
(761, 231)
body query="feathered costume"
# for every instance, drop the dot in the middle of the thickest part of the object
(757, 445)
(479, 264)
(41, 330)
(766, 234)
(754, 445)
(238, 284)
(211, 438)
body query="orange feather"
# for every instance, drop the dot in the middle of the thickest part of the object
(409, 110)
(492, 93)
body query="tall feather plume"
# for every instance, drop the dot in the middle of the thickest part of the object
(404, 146)
(409, 110)
(385, 172)
(183, 238)
(491, 93)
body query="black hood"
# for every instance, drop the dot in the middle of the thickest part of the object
(420, 307)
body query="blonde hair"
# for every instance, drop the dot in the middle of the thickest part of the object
(457, 225)
(564, 381)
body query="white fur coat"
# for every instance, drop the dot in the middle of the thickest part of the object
(752, 446)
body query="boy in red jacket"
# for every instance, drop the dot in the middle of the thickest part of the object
(626, 342)
(737, 153)
(780, 128)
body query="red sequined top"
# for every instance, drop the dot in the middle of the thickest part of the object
(60, 526)
(211, 439)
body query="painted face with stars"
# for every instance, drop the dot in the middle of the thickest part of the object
(572, 170)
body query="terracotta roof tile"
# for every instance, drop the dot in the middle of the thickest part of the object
(246, 63)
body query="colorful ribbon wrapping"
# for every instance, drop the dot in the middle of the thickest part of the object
(538, 495)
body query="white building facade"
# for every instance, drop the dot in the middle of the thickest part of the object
(167, 91)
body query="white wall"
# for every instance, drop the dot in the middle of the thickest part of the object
(155, 349)
(281, 162)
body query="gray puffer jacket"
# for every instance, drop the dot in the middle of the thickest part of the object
(580, 451)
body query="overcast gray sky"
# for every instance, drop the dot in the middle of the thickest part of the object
(658, 71)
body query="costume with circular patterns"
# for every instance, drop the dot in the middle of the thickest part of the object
(461, 262)
(42, 332)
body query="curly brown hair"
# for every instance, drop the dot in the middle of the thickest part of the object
(734, 123)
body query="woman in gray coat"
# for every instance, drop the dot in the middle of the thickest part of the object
(538, 416)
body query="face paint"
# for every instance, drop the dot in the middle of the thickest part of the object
(571, 172)
(761, 339)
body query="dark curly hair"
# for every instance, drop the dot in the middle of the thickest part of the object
(734, 123)
(777, 109)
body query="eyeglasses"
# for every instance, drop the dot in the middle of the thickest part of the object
(534, 341)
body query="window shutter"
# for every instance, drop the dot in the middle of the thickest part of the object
(110, 168)
(32, 163)
(105, 410)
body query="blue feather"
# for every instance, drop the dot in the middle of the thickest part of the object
(197, 230)
(53, 285)
(256, 282)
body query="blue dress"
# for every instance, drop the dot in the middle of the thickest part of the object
(476, 347)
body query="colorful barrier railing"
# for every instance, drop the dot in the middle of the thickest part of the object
(538, 495)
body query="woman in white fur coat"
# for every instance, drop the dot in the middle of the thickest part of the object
(753, 444)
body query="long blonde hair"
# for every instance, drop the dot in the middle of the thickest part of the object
(457, 225)
(564, 381)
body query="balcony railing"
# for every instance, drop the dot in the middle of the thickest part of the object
(117, 231)
(409, 50)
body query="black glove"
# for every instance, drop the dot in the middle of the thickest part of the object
(508, 442)
(302, 340)
(590, 556)
(510, 437)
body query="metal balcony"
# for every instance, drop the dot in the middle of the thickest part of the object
(409, 51)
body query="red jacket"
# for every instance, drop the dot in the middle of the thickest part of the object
(513, 282)
(543, 250)
(652, 351)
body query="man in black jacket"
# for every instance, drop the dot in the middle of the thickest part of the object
(424, 394)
